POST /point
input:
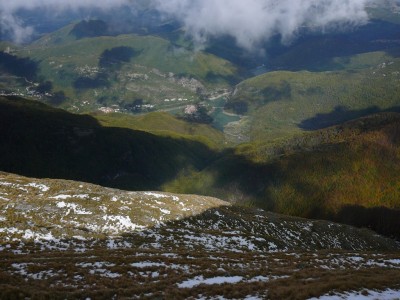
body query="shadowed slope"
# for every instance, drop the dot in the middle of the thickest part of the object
(315, 175)
(44, 142)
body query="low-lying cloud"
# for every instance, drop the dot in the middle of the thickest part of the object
(250, 22)
(11, 25)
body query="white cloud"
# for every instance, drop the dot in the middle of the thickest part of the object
(253, 21)
(249, 21)
(15, 27)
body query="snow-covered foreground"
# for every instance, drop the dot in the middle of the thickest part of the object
(85, 241)
(66, 215)
(364, 295)
(147, 274)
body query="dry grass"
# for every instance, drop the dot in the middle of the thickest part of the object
(291, 275)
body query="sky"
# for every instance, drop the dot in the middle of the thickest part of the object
(249, 22)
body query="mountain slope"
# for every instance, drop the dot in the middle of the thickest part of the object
(41, 141)
(99, 213)
(180, 246)
(348, 173)
(164, 124)
(122, 70)
(281, 104)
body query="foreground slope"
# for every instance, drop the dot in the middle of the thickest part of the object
(83, 240)
(56, 210)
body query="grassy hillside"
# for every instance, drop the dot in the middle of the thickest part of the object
(349, 173)
(41, 141)
(94, 213)
(281, 104)
(162, 123)
(97, 242)
(97, 70)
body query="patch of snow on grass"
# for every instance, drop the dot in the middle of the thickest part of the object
(155, 195)
(146, 264)
(272, 246)
(369, 295)
(356, 258)
(117, 224)
(97, 264)
(77, 210)
(165, 211)
(61, 197)
(109, 274)
(21, 268)
(253, 298)
(209, 281)
(42, 187)
(42, 275)
(81, 196)
(29, 234)
(393, 261)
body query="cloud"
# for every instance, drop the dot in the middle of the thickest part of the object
(251, 22)
(12, 26)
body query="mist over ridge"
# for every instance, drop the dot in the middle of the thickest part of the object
(250, 22)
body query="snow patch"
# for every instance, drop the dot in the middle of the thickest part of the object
(165, 211)
(369, 295)
(209, 281)
(72, 206)
(155, 195)
(42, 187)
(146, 264)
(118, 224)
(61, 197)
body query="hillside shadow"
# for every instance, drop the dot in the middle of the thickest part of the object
(226, 47)
(110, 61)
(218, 78)
(21, 67)
(380, 219)
(115, 57)
(241, 181)
(277, 92)
(316, 52)
(99, 81)
(312, 50)
(90, 28)
(339, 115)
(50, 143)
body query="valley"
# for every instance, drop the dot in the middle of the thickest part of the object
(145, 157)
